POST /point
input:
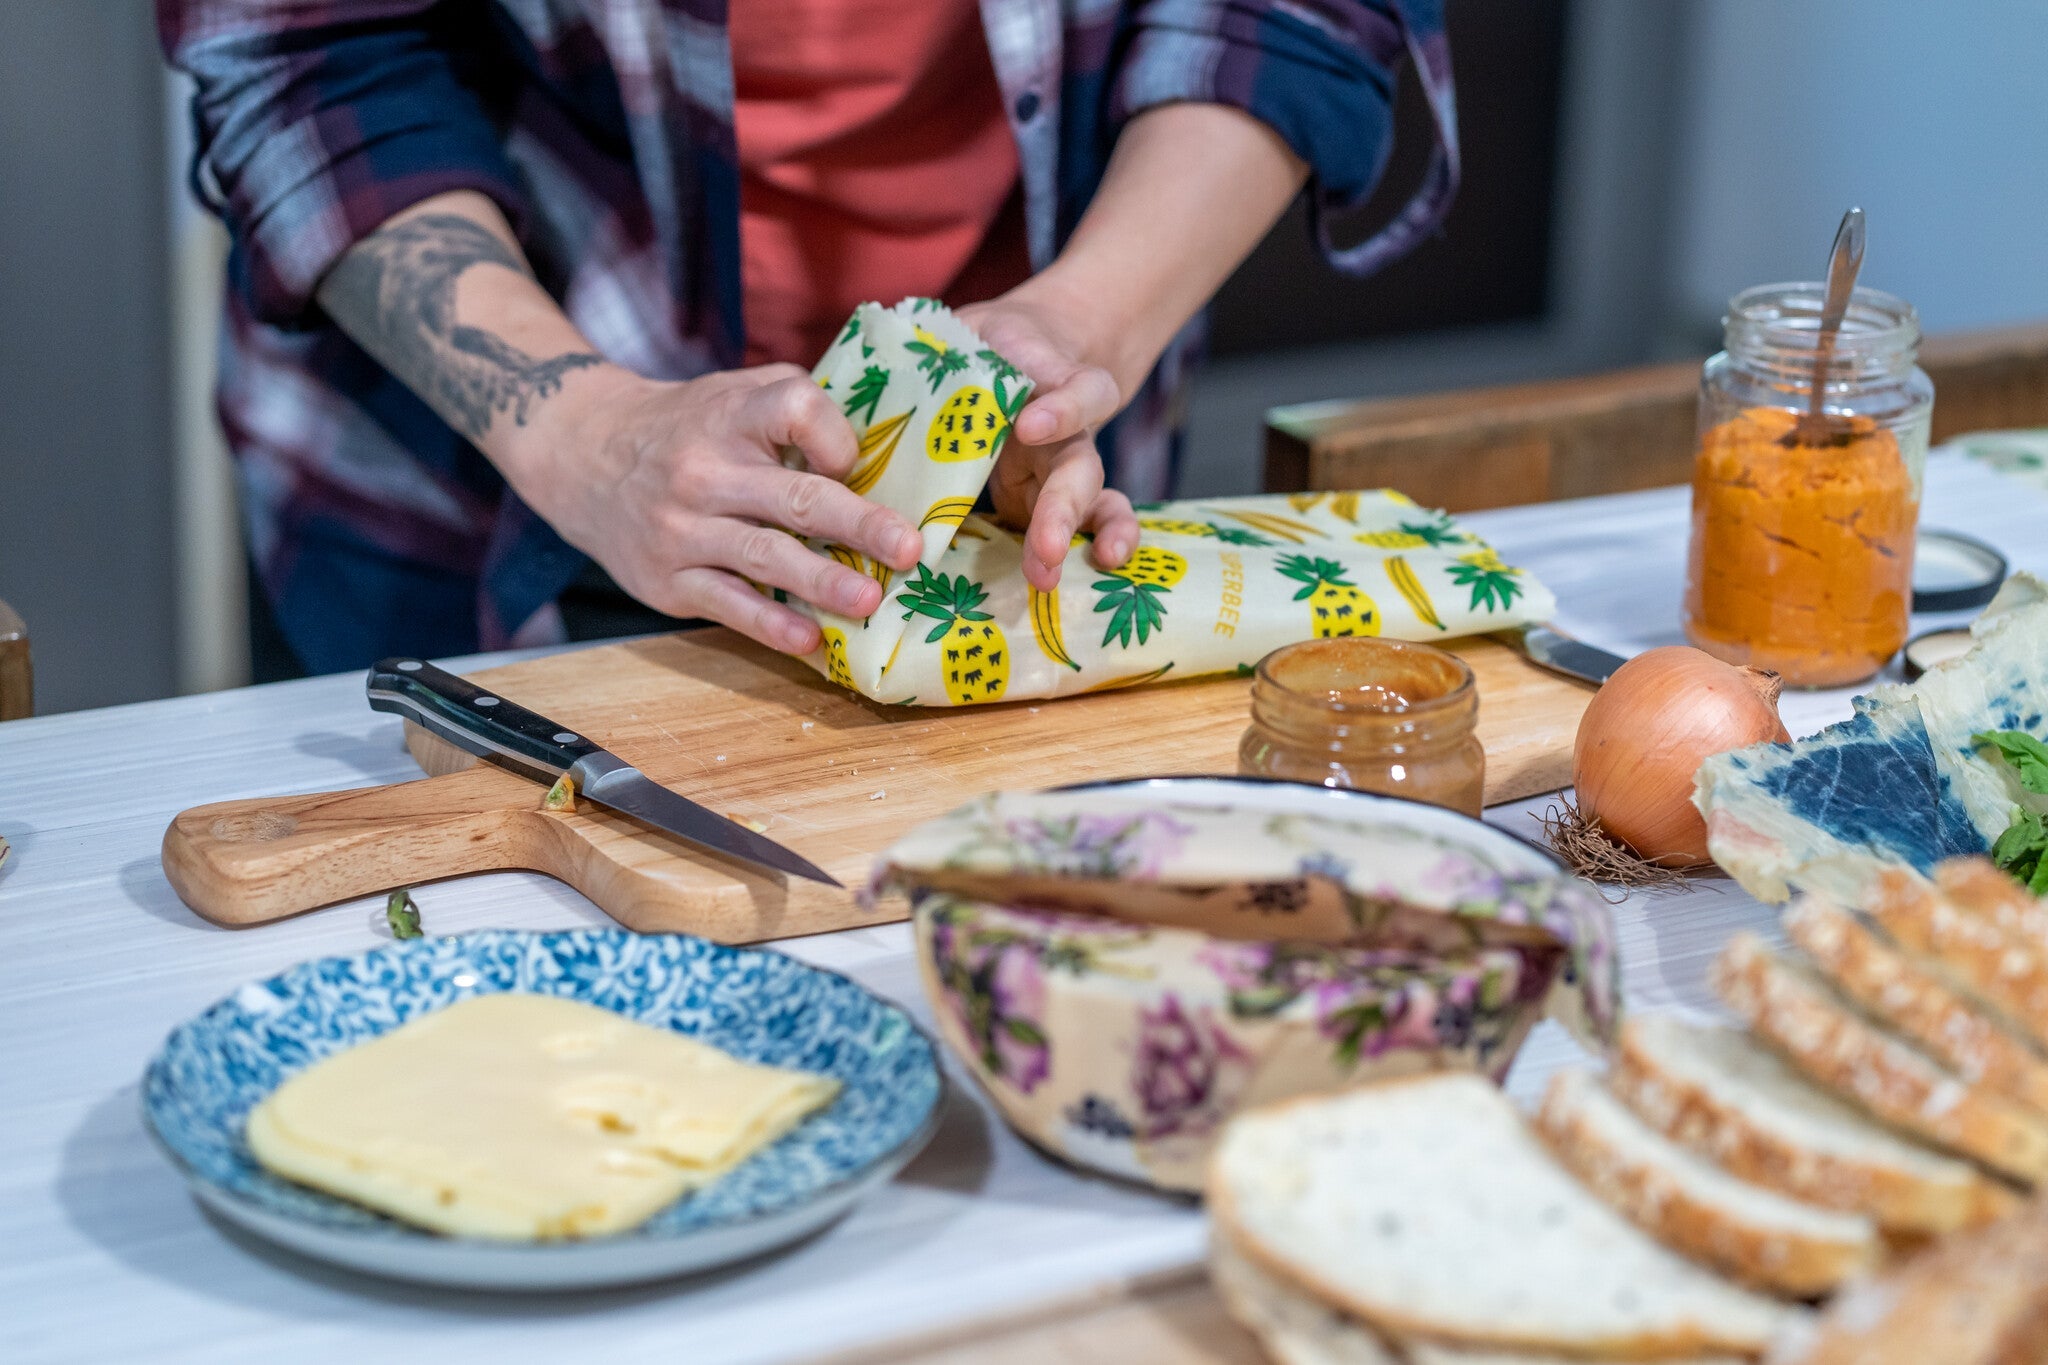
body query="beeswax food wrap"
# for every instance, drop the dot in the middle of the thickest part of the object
(1214, 585)
(1900, 787)
(1124, 1042)
(931, 405)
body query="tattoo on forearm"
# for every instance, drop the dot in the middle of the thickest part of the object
(394, 292)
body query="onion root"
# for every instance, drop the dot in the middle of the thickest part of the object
(1590, 852)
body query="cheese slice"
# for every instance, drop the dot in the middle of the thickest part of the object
(526, 1116)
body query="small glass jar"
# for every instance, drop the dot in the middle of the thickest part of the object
(1802, 533)
(1374, 715)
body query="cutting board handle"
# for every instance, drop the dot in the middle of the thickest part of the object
(250, 862)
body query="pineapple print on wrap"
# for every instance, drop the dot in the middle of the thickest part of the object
(1492, 582)
(835, 657)
(1414, 535)
(1337, 606)
(974, 421)
(977, 657)
(1135, 594)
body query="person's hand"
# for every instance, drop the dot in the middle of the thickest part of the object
(676, 489)
(1049, 475)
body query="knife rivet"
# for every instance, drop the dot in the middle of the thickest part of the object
(411, 666)
(486, 701)
(565, 738)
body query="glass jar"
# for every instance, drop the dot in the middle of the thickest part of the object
(1802, 533)
(1370, 714)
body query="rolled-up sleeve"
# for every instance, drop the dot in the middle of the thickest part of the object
(314, 123)
(1321, 74)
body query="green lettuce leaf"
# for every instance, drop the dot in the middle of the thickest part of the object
(2027, 755)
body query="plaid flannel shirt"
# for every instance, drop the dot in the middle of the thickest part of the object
(604, 130)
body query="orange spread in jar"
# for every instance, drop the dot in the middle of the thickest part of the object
(1802, 555)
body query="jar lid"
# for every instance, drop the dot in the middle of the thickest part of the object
(1933, 647)
(1954, 572)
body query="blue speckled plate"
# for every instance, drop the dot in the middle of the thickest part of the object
(755, 1004)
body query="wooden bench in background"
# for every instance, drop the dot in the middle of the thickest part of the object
(1604, 433)
(17, 682)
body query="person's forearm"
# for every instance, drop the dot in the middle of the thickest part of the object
(1190, 190)
(443, 298)
(676, 487)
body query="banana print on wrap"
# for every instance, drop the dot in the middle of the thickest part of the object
(1214, 585)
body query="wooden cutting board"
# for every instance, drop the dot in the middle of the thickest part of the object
(763, 739)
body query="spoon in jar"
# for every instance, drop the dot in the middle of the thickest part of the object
(1844, 260)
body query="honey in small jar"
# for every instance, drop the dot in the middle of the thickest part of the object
(1374, 715)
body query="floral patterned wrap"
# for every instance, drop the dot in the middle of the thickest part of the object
(1214, 585)
(1123, 1043)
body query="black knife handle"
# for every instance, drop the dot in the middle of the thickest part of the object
(477, 721)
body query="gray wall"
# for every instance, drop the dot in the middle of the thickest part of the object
(86, 524)
(1933, 117)
(1618, 128)
(1713, 144)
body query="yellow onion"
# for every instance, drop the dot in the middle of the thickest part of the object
(1646, 733)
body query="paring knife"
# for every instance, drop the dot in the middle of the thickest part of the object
(491, 727)
(1560, 653)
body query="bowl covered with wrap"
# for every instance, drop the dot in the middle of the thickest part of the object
(1122, 967)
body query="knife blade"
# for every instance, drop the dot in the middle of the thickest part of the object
(1560, 653)
(489, 726)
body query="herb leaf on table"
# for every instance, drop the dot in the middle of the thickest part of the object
(2023, 849)
(402, 915)
(2027, 755)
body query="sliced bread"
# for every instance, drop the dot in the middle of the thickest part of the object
(1765, 1239)
(1918, 1002)
(1975, 885)
(1731, 1100)
(2008, 974)
(1794, 1011)
(1294, 1329)
(1428, 1209)
(1977, 1298)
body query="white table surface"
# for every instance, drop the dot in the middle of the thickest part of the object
(104, 1256)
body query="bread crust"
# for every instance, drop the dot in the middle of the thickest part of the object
(1717, 1129)
(1245, 1289)
(1969, 1040)
(1222, 1209)
(2006, 972)
(1773, 1259)
(1978, 1298)
(1261, 1305)
(1827, 1039)
(1975, 884)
